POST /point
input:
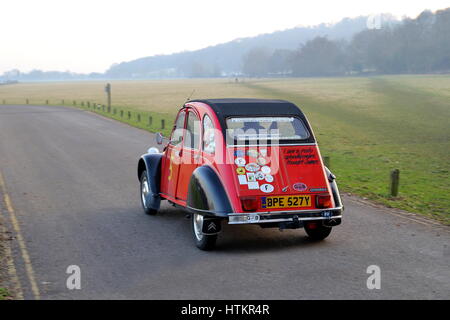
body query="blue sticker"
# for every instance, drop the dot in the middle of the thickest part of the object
(238, 153)
(263, 202)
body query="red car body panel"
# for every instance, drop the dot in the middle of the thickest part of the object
(295, 169)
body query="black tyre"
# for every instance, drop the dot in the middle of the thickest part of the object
(316, 231)
(202, 241)
(145, 190)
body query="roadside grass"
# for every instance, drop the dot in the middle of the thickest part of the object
(4, 294)
(368, 126)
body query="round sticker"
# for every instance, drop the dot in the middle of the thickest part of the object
(252, 153)
(240, 170)
(300, 186)
(259, 175)
(240, 162)
(252, 167)
(263, 152)
(269, 178)
(267, 188)
(261, 161)
(265, 170)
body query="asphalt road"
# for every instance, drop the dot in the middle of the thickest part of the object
(71, 179)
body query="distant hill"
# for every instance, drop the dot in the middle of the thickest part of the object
(226, 58)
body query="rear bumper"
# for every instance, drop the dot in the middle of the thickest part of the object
(328, 215)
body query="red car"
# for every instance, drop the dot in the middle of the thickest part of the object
(242, 161)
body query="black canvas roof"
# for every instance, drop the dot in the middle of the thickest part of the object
(232, 107)
(247, 107)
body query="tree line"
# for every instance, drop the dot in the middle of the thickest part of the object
(420, 45)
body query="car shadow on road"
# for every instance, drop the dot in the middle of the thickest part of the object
(240, 239)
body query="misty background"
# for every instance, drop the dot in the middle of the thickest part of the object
(379, 44)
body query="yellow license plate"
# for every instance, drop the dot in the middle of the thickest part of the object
(285, 202)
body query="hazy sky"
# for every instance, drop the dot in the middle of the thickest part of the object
(90, 35)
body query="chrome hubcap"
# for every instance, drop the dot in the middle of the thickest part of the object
(198, 224)
(145, 190)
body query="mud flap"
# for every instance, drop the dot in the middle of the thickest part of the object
(211, 226)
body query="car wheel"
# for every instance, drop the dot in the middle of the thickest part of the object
(145, 190)
(317, 231)
(202, 241)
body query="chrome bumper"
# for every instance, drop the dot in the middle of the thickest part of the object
(285, 216)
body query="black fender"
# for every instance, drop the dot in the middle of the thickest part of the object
(207, 195)
(334, 188)
(152, 164)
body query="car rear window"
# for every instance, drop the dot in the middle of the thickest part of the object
(282, 129)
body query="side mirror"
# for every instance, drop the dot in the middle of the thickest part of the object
(159, 138)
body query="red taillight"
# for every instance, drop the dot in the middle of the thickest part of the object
(323, 201)
(249, 203)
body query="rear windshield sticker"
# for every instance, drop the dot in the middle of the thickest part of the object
(269, 178)
(253, 185)
(240, 170)
(240, 162)
(251, 177)
(239, 153)
(261, 161)
(252, 153)
(267, 188)
(242, 179)
(252, 167)
(265, 170)
(259, 175)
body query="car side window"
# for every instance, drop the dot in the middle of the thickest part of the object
(192, 132)
(177, 133)
(209, 143)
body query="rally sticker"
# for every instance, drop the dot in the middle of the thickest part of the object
(267, 188)
(300, 186)
(265, 170)
(252, 153)
(242, 179)
(269, 178)
(240, 162)
(253, 185)
(252, 167)
(259, 175)
(240, 170)
(318, 189)
(251, 177)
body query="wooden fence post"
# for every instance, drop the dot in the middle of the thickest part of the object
(163, 123)
(150, 120)
(395, 180)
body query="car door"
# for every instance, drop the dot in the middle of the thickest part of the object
(190, 154)
(172, 160)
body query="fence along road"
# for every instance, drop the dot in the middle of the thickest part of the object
(70, 177)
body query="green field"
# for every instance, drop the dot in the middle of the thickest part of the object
(368, 126)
